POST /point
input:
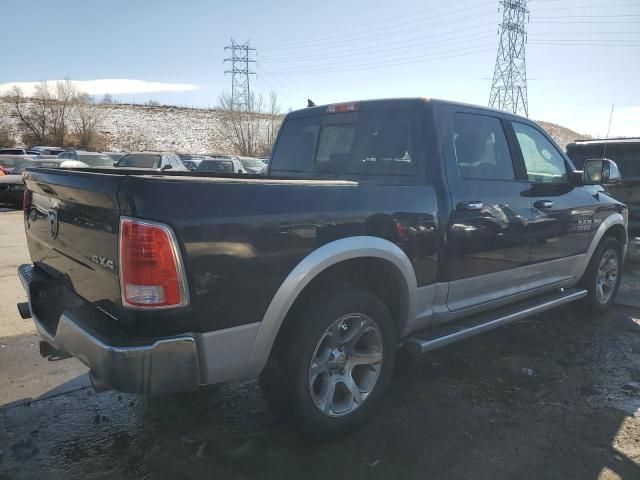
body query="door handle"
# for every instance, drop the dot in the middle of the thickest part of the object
(543, 204)
(470, 205)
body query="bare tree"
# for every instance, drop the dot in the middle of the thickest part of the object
(42, 119)
(251, 131)
(32, 118)
(86, 119)
(61, 102)
(132, 140)
(273, 124)
(6, 134)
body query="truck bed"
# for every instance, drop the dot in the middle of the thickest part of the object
(239, 235)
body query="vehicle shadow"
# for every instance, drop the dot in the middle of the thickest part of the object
(549, 397)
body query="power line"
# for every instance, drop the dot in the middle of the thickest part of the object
(381, 53)
(586, 16)
(588, 21)
(329, 34)
(581, 7)
(417, 59)
(404, 42)
(265, 73)
(509, 85)
(339, 39)
(588, 44)
(240, 73)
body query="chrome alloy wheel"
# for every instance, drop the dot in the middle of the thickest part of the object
(607, 276)
(346, 364)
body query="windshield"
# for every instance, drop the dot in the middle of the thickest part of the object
(12, 162)
(252, 162)
(353, 143)
(96, 160)
(218, 166)
(11, 151)
(139, 160)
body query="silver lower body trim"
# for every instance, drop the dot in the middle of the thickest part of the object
(160, 366)
(428, 342)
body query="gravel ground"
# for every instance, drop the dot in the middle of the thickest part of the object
(553, 396)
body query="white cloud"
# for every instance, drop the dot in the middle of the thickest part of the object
(114, 86)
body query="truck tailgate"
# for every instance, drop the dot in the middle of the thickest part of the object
(72, 223)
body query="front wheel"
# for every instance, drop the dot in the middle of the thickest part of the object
(334, 363)
(603, 275)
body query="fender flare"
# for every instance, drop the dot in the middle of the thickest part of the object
(605, 226)
(312, 265)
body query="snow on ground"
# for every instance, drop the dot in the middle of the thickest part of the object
(188, 130)
(191, 130)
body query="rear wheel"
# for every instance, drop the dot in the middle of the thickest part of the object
(603, 275)
(334, 363)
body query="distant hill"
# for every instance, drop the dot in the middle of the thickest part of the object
(192, 130)
(562, 135)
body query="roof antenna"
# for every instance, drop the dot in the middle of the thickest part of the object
(310, 103)
(604, 150)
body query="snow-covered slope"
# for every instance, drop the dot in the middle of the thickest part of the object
(190, 130)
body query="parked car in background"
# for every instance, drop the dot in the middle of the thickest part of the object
(191, 165)
(35, 151)
(151, 160)
(221, 165)
(192, 161)
(13, 151)
(115, 155)
(252, 165)
(85, 159)
(12, 184)
(12, 188)
(9, 162)
(626, 153)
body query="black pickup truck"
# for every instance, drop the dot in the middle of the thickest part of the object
(380, 223)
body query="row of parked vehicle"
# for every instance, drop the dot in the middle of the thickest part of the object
(14, 161)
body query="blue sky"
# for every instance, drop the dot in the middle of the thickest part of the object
(582, 55)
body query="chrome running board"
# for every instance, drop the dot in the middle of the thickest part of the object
(446, 334)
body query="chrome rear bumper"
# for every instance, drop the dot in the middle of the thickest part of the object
(116, 359)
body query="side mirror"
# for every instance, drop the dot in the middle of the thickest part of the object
(600, 171)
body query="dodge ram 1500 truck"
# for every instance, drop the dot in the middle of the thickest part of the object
(381, 223)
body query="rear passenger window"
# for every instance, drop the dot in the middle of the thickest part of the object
(543, 161)
(481, 148)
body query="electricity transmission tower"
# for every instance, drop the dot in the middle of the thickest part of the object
(509, 86)
(240, 73)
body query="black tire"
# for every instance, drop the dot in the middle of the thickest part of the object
(594, 301)
(286, 380)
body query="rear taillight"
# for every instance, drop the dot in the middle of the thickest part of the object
(151, 274)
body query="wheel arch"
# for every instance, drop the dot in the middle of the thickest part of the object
(322, 260)
(614, 225)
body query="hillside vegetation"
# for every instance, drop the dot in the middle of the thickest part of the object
(189, 130)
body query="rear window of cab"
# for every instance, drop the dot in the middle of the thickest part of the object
(360, 144)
